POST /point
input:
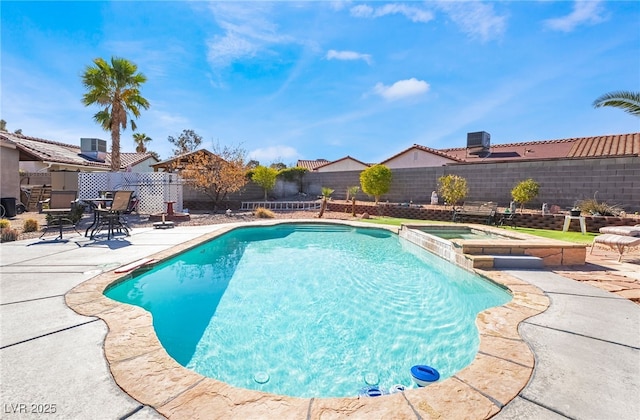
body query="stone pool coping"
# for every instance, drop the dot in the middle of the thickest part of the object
(143, 369)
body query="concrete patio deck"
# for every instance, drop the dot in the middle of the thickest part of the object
(586, 344)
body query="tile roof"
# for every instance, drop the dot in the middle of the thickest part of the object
(578, 147)
(614, 145)
(311, 164)
(62, 153)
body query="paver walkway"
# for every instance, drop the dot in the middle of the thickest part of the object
(587, 344)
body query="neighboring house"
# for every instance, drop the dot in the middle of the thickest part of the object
(40, 155)
(9, 174)
(347, 163)
(418, 156)
(178, 162)
(578, 147)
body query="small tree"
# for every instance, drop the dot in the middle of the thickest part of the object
(265, 177)
(188, 141)
(351, 192)
(376, 181)
(216, 174)
(326, 193)
(525, 191)
(452, 188)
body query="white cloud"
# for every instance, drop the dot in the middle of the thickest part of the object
(478, 20)
(414, 14)
(348, 55)
(273, 153)
(402, 89)
(246, 32)
(584, 12)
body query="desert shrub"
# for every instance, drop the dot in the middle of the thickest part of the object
(30, 225)
(8, 235)
(263, 213)
(592, 206)
(4, 223)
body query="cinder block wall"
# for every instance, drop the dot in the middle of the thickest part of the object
(562, 182)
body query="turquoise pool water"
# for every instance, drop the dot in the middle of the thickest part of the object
(312, 310)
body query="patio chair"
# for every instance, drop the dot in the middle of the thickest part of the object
(61, 205)
(111, 217)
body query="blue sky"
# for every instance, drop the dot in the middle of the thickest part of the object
(305, 80)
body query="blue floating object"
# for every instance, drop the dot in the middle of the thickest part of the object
(424, 375)
(371, 391)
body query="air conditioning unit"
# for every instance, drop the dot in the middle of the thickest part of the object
(93, 149)
(478, 142)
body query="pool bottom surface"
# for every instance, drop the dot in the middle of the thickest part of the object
(312, 312)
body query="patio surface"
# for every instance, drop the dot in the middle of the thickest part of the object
(586, 344)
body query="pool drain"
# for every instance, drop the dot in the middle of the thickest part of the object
(261, 377)
(371, 378)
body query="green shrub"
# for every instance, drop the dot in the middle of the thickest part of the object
(452, 188)
(265, 177)
(263, 213)
(292, 174)
(525, 191)
(30, 225)
(8, 235)
(4, 223)
(376, 181)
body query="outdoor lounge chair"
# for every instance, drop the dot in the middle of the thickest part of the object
(619, 238)
(111, 217)
(61, 205)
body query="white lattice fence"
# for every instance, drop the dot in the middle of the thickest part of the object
(153, 189)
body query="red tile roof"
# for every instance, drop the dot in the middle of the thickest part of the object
(311, 164)
(578, 147)
(614, 145)
(547, 149)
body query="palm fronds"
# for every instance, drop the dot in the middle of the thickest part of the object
(627, 101)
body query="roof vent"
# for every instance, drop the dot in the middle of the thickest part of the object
(93, 149)
(478, 142)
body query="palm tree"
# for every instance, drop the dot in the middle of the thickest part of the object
(115, 88)
(140, 139)
(627, 101)
(326, 193)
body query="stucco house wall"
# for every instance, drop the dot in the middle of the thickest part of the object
(416, 158)
(10, 177)
(342, 165)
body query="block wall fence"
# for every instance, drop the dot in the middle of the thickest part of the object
(562, 182)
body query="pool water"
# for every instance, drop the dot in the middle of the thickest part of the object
(464, 233)
(312, 310)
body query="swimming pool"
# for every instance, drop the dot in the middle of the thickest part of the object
(312, 309)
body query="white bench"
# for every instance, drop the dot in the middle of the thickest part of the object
(618, 237)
